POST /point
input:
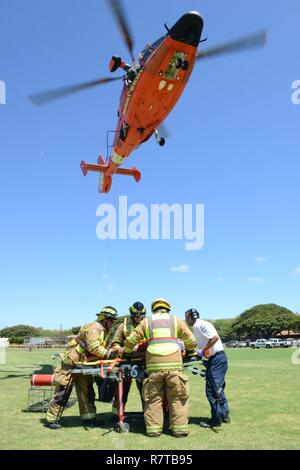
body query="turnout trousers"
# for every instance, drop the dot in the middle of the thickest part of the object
(216, 369)
(64, 381)
(172, 385)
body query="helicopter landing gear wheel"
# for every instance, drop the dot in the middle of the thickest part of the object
(160, 140)
(122, 427)
(185, 65)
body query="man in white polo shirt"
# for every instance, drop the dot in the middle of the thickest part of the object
(210, 346)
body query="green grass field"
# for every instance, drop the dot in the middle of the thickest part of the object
(262, 389)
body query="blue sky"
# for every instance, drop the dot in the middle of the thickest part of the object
(233, 146)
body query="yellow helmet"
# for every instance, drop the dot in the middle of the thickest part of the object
(160, 303)
(107, 312)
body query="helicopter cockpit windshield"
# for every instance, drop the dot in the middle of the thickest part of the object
(149, 48)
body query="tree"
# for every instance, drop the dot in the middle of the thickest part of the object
(19, 331)
(224, 328)
(265, 320)
(296, 324)
(75, 329)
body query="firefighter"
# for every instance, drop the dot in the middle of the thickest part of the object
(89, 345)
(137, 313)
(164, 368)
(210, 345)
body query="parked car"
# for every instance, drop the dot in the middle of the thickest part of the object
(280, 343)
(261, 343)
(243, 344)
(293, 341)
(232, 344)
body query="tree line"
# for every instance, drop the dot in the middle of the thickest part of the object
(260, 321)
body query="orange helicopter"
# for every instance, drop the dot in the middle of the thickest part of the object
(151, 87)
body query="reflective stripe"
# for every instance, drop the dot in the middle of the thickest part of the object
(161, 334)
(190, 340)
(94, 345)
(51, 418)
(153, 429)
(164, 366)
(155, 323)
(162, 340)
(131, 342)
(128, 327)
(180, 429)
(179, 426)
(168, 364)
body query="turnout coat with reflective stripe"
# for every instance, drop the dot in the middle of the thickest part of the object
(91, 343)
(122, 332)
(162, 332)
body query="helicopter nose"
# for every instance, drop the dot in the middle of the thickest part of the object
(188, 28)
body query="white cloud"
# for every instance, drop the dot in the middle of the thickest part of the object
(260, 259)
(256, 279)
(220, 279)
(183, 268)
(297, 270)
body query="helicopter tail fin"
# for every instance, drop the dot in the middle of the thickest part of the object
(105, 177)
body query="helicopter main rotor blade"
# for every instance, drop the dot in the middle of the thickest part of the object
(118, 11)
(249, 42)
(50, 95)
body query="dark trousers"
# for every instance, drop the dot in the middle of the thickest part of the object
(216, 369)
(126, 389)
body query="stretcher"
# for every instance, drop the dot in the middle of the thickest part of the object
(120, 369)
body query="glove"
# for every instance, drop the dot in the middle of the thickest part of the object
(200, 353)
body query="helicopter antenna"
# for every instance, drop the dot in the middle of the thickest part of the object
(119, 14)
